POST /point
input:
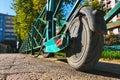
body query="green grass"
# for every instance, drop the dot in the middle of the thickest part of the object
(111, 54)
(60, 55)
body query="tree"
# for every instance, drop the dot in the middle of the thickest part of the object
(111, 39)
(26, 13)
(28, 10)
(86, 3)
(95, 4)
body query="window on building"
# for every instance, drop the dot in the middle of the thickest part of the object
(109, 5)
(9, 30)
(7, 25)
(10, 34)
(8, 17)
(8, 22)
(119, 29)
(117, 0)
(1, 33)
(9, 38)
(118, 14)
(111, 30)
(1, 29)
(0, 21)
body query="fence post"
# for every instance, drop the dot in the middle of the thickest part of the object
(32, 41)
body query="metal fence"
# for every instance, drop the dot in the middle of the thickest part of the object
(112, 48)
(111, 52)
(4, 48)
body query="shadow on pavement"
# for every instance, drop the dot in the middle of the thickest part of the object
(107, 69)
(63, 60)
(103, 69)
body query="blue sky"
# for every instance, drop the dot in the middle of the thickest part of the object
(5, 7)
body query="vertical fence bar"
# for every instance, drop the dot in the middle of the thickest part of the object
(27, 44)
(32, 42)
(50, 32)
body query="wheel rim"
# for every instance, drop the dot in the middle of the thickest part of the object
(82, 33)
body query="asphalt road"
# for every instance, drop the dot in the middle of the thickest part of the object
(26, 67)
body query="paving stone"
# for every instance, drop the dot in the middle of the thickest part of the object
(25, 67)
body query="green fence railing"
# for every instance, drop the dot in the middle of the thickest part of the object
(37, 35)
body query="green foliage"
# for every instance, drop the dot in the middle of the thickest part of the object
(28, 10)
(86, 3)
(95, 4)
(60, 54)
(111, 54)
(26, 13)
(111, 39)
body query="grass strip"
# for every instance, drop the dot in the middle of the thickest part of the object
(111, 54)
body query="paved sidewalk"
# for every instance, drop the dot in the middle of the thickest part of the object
(25, 67)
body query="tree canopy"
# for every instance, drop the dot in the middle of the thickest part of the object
(95, 4)
(28, 10)
(111, 39)
(26, 13)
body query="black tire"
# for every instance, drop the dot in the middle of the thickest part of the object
(48, 55)
(85, 45)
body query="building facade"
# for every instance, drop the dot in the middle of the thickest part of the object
(7, 35)
(2, 28)
(109, 4)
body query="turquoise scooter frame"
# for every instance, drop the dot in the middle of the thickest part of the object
(57, 42)
(81, 33)
(47, 40)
